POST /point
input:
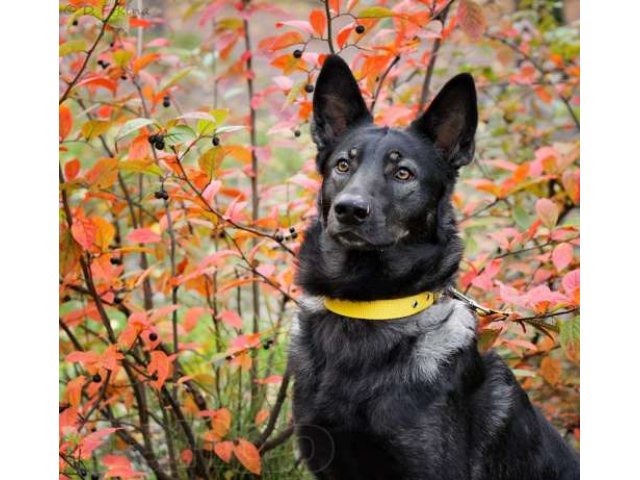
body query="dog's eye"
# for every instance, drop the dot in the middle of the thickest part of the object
(342, 166)
(403, 174)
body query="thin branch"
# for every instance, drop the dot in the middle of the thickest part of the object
(275, 411)
(442, 16)
(278, 440)
(329, 27)
(75, 80)
(381, 82)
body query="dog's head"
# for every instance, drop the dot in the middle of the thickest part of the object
(382, 186)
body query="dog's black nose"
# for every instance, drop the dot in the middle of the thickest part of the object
(351, 209)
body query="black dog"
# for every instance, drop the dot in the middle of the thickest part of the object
(411, 397)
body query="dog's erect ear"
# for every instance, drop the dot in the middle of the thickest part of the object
(450, 121)
(337, 102)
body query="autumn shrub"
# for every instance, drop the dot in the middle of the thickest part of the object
(187, 177)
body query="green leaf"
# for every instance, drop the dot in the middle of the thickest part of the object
(94, 128)
(570, 337)
(72, 46)
(140, 166)
(229, 128)
(179, 134)
(521, 217)
(176, 78)
(133, 126)
(376, 12)
(210, 161)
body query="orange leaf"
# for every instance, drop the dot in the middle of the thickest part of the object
(84, 232)
(141, 62)
(71, 169)
(159, 365)
(73, 392)
(221, 422)
(143, 235)
(547, 212)
(192, 316)
(97, 81)
(93, 441)
(551, 370)
(318, 21)
(472, 20)
(343, 34)
(103, 174)
(224, 450)
(139, 22)
(248, 455)
(279, 42)
(261, 416)
(66, 121)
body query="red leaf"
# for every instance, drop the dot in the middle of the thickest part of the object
(139, 22)
(224, 450)
(143, 235)
(231, 318)
(66, 121)
(248, 455)
(186, 456)
(92, 441)
(261, 416)
(562, 256)
(548, 212)
(271, 379)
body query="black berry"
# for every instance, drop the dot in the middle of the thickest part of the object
(115, 261)
(297, 53)
(153, 139)
(97, 378)
(297, 133)
(74, 23)
(95, 476)
(165, 195)
(123, 77)
(278, 236)
(294, 235)
(360, 29)
(228, 357)
(117, 300)
(159, 144)
(105, 64)
(215, 140)
(166, 102)
(82, 472)
(159, 194)
(101, 63)
(153, 336)
(308, 88)
(266, 345)
(292, 229)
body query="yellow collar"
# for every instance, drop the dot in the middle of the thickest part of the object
(382, 309)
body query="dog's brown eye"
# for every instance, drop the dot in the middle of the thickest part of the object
(403, 174)
(342, 166)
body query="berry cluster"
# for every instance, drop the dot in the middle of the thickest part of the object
(292, 235)
(161, 194)
(157, 140)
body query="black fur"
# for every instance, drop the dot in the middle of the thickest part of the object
(409, 398)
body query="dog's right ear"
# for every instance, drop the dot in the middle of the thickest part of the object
(337, 103)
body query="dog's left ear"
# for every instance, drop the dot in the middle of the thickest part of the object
(337, 102)
(450, 121)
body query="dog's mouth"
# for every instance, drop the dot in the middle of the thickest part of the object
(354, 241)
